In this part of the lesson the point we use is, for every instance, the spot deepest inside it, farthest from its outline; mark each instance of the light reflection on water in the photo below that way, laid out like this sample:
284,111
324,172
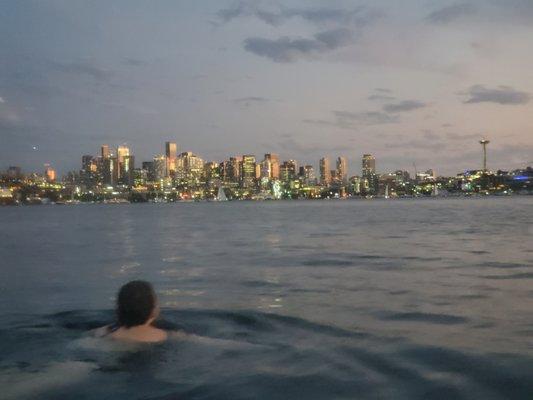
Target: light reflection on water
424,276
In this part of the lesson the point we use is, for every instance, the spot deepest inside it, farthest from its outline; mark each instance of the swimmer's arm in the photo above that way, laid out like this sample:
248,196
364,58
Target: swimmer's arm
101,332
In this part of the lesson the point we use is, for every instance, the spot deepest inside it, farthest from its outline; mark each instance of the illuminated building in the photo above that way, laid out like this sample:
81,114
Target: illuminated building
270,167
342,170
287,171
325,174
14,172
171,153
234,169
148,168
159,167
126,170
248,171
110,173
104,151
369,165
49,174
371,182
308,174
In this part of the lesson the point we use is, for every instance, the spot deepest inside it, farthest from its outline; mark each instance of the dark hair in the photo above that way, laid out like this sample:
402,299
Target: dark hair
135,303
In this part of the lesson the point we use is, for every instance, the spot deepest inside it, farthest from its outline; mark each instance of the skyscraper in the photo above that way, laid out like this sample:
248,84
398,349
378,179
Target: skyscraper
159,167
369,173
248,171
126,170
104,151
49,173
325,174
122,152
287,171
273,159
369,165
171,152
342,170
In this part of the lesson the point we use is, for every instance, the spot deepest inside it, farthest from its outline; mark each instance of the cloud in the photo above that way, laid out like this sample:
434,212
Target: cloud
247,101
2,100
457,136
133,62
352,120
451,13
286,50
381,97
403,106
81,68
358,16
500,95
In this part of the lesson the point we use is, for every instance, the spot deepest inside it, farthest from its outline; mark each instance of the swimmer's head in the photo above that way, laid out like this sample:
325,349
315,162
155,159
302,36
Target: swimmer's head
136,304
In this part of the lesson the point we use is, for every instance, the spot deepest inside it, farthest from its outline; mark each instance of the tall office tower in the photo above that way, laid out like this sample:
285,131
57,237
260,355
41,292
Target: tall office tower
14,172
49,173
110,170
309,175
122,151
273,160
159,167
104,151
87,161
234,169
148,168
369,173
248,171
265,169
325,174
211,171
89,170
171,153
369,165
342,170
189,166
287,171
126,170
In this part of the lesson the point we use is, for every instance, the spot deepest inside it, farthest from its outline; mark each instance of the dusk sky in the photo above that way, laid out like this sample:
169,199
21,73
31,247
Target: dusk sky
414,81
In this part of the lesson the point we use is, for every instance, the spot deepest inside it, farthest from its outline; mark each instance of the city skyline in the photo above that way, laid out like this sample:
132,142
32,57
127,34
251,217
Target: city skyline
326,167
417,83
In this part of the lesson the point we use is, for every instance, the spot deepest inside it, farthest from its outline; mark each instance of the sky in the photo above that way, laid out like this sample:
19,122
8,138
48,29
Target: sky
416,82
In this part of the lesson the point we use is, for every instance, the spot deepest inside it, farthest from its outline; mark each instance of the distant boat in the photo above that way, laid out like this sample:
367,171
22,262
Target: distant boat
221,196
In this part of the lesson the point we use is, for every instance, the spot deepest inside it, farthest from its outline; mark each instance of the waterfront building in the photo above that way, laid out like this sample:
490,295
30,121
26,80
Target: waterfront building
325,173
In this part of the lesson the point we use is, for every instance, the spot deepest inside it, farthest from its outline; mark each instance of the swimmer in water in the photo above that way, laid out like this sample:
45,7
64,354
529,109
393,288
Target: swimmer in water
137,309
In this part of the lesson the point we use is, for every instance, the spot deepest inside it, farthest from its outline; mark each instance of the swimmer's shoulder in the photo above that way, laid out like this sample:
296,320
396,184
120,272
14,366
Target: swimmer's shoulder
103,331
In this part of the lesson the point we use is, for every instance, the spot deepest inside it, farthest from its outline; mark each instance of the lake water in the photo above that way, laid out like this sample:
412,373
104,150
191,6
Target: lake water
400,299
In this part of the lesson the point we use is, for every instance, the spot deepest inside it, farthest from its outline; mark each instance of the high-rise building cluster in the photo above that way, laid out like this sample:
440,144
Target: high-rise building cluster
175,175
116,168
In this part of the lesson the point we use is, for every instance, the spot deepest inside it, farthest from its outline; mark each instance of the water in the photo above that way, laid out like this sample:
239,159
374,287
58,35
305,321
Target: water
402,299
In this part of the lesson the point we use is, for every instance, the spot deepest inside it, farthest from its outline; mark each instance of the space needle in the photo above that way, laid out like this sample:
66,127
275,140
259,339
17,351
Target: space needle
484,143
